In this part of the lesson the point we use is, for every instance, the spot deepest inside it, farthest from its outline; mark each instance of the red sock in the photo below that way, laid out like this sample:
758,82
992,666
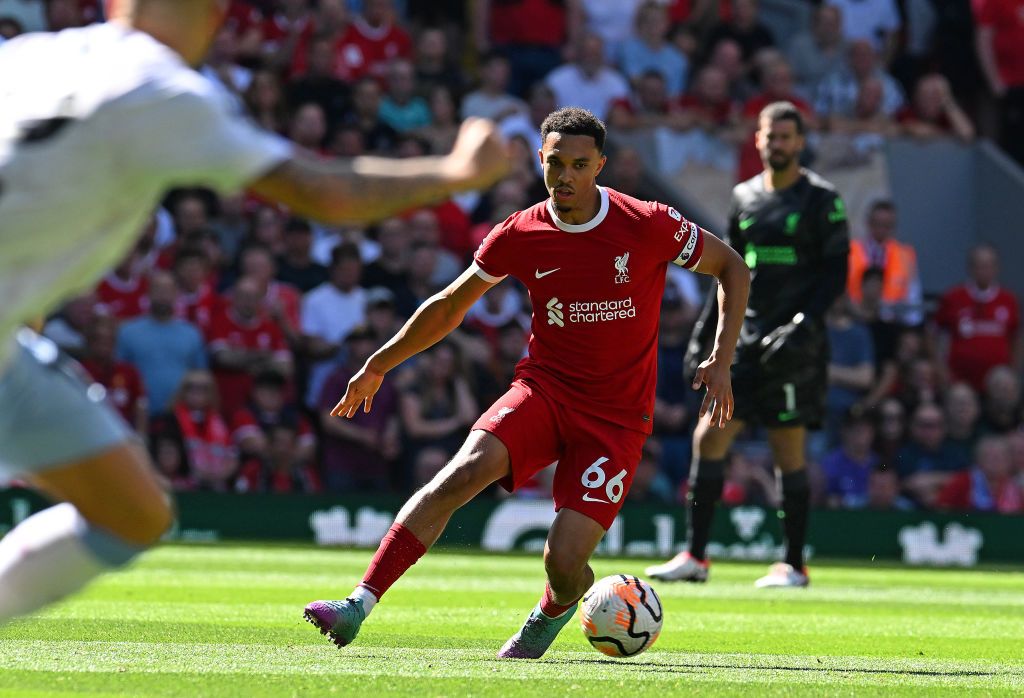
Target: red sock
399,551
548,606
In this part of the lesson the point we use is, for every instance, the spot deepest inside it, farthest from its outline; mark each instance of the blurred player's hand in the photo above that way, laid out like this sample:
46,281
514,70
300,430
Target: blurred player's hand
717,376
783,336
363,386
478,158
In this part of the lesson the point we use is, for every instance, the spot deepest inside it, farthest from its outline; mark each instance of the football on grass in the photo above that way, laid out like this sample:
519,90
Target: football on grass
621,615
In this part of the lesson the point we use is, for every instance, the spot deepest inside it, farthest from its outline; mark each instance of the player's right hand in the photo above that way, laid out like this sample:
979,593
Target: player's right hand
479,157
717,376
363,386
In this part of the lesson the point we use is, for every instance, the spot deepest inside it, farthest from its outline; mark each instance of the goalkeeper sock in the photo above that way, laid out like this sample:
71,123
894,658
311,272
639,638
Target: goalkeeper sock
796,504
706,486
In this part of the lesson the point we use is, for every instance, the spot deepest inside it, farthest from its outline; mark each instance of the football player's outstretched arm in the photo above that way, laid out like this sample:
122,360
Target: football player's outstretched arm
431,323
367,189
722,262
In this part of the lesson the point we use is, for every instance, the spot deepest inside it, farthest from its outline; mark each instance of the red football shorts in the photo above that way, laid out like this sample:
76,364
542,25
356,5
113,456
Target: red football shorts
596,458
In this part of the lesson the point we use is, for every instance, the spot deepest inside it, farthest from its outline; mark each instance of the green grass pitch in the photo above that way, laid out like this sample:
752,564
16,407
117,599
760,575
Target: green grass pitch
226,621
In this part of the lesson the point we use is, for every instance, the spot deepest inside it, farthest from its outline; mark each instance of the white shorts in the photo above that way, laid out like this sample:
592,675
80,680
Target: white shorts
51,413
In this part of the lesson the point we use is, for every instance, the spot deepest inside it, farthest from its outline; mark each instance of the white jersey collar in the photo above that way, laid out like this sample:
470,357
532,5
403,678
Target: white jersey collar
602,213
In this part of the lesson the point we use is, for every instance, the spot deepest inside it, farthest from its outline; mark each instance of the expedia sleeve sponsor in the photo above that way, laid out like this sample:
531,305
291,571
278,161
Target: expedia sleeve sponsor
601,311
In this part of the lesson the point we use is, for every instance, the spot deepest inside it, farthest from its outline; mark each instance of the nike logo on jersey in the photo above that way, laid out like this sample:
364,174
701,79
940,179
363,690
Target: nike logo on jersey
588,498
747,222
541,274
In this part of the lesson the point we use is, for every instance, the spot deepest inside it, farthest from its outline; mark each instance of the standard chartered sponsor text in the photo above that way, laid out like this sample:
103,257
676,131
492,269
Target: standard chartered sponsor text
601,311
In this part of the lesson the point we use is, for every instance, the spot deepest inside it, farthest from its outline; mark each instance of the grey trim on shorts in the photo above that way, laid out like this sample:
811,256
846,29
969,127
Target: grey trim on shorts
51,414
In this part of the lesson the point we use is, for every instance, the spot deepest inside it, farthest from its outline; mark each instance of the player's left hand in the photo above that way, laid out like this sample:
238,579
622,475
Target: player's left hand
717,376
363,386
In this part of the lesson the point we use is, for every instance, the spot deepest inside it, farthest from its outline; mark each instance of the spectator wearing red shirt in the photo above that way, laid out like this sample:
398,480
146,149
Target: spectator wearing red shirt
980,322
647,106
987,486
203,434
708,105
933,113
243,340
245,23
371,42
281,301
122,380
198,302
124,291
530,33
268,408
778,87
284,29
283,471
999,40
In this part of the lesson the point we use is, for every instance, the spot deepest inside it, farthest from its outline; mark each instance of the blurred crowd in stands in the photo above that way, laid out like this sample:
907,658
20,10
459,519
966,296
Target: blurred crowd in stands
231,330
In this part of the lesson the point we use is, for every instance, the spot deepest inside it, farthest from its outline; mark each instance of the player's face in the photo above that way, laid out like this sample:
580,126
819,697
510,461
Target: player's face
571,165
779,143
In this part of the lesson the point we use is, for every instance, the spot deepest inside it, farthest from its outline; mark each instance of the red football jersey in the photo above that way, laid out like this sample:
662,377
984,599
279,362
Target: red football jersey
982,326
364,50
124,299
227,331
123,384
596,290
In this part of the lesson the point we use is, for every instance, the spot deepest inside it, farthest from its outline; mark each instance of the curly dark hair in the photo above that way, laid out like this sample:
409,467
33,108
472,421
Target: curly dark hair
574,121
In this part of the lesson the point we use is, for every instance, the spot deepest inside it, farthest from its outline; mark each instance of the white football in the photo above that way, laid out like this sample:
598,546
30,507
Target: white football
621,615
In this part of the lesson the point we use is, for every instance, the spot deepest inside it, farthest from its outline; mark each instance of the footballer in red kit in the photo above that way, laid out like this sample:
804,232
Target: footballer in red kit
594,262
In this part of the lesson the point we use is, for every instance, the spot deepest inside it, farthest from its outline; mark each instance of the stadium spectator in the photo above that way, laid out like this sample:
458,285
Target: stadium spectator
280,301
962,417
890,430
65,14
308,127
402,109
436,408
191,212
650,485
364,117
198,300
647,106
872,312
493,377
390,269
283,471
243,341
371,42
434,64
933,113
381,315
196,422
296,266
989,485
318,84
674,399
928,461
267,229
359,453
999,39
444,120
1001,404
287,25
868,116
122,292
837,92
851,368
708,106
874,21
231,225
66,328
744,28
625,174
588,82
529,33
884,491
169,459
649,50
902,297
162,347
748,482
269,407
121,380
979,322
492,99
265,101
727,56
329,312
848,468
425,229
612,20
816,53
895,376
777,87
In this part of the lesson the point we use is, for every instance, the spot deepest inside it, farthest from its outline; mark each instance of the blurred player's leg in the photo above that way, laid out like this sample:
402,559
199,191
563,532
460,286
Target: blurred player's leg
788,449
707,479
114,509
482,460
571,541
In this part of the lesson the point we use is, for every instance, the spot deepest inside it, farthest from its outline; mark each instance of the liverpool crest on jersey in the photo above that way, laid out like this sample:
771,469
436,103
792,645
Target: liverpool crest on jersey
622,269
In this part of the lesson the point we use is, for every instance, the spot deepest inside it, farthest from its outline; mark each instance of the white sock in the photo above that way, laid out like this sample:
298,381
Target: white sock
366,596
52,554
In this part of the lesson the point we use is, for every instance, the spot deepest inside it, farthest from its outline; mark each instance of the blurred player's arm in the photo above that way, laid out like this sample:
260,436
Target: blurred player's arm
371,188
431,323
725,264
